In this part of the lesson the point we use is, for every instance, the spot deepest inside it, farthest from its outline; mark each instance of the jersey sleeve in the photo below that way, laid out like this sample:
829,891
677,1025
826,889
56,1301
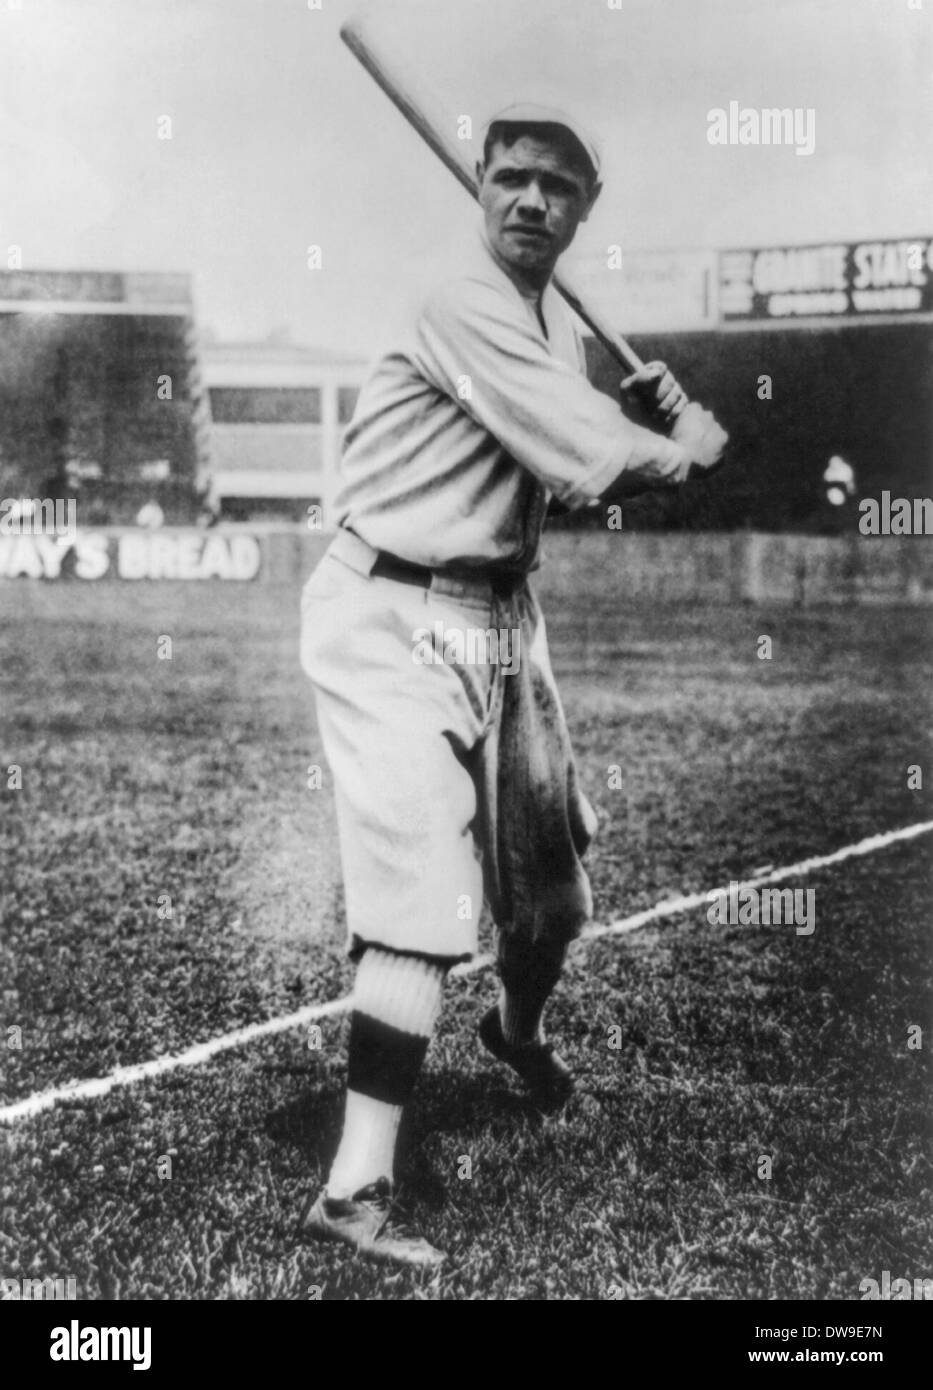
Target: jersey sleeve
474,343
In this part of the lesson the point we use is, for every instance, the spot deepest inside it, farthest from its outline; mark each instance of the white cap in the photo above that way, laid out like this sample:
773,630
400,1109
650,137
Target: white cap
531,113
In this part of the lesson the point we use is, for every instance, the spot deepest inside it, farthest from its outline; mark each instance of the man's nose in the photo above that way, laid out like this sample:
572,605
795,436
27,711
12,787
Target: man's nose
532,200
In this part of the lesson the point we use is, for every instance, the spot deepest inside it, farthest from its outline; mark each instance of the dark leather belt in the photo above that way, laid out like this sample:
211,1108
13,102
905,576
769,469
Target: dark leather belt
388,566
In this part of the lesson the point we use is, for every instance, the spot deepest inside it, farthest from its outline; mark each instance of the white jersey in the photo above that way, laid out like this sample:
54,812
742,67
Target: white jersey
476,414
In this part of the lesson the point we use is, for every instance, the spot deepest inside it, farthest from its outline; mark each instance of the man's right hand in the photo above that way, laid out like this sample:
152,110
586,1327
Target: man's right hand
697,431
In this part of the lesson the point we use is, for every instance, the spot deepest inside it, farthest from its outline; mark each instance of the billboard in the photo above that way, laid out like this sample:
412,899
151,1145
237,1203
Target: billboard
834,279
131,555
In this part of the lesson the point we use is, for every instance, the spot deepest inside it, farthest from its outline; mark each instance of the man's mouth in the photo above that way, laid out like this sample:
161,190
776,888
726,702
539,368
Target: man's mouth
536,233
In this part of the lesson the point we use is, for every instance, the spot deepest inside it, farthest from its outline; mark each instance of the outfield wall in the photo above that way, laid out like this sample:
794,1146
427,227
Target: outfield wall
717,566
750,565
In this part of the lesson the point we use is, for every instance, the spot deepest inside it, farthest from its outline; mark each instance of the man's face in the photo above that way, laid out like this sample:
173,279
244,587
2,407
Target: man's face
534,196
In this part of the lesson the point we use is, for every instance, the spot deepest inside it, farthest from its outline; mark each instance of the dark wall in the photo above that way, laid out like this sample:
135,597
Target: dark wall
865,393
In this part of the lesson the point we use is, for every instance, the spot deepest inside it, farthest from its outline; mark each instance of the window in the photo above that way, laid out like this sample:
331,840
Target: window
346,403
266,405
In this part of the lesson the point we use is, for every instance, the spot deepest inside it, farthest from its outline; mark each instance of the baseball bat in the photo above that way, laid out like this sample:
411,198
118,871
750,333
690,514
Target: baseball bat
422,112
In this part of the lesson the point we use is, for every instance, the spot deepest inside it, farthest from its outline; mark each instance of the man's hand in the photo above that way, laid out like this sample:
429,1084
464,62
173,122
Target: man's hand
697,431
657,391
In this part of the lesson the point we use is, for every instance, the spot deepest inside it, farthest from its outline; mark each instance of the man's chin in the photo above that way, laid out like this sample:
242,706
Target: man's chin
527,253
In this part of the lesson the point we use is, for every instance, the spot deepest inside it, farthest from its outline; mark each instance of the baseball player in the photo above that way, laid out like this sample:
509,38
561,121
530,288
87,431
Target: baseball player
452,769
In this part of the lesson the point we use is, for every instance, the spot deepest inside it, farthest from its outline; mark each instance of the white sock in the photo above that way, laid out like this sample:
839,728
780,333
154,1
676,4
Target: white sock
396,1002
402,991
367,1145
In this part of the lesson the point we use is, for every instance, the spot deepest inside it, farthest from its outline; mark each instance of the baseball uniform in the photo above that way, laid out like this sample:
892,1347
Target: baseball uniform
454,778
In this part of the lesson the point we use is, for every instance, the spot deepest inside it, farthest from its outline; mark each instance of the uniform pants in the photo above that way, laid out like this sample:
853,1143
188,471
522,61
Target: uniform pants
453,775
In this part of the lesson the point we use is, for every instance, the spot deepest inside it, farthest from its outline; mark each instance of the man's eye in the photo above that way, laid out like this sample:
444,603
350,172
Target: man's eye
511,179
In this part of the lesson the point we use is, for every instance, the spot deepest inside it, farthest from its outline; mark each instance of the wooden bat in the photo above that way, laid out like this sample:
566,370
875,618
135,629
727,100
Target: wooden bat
416,104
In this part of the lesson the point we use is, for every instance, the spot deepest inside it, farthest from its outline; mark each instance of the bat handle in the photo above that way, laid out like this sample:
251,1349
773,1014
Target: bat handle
644,390
605,332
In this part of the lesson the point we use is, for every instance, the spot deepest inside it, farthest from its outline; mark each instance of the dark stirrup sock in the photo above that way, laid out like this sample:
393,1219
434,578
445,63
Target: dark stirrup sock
529,974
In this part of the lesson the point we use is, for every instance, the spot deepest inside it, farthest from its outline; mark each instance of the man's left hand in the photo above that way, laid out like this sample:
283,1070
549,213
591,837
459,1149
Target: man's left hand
657,391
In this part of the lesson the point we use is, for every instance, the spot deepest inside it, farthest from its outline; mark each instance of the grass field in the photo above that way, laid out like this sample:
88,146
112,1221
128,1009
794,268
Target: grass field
145,777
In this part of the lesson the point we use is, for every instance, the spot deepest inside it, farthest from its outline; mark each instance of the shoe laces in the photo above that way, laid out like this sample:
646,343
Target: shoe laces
396,1221
377,1195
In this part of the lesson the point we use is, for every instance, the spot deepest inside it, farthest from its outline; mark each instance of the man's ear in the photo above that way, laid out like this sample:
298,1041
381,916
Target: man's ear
594,194
480,172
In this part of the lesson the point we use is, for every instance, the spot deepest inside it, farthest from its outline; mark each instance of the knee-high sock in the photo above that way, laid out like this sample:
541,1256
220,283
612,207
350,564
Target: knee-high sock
396,1002
529,974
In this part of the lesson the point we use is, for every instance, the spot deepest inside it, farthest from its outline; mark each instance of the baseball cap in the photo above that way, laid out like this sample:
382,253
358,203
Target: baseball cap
532,113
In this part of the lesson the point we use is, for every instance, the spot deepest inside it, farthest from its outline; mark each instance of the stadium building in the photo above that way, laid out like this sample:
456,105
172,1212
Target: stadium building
278,412
107,396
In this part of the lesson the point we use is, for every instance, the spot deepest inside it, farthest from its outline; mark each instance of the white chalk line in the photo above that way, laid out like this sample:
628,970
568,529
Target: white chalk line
202,1052
670,906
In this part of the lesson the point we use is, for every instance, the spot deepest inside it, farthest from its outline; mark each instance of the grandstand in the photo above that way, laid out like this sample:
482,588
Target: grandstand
100,393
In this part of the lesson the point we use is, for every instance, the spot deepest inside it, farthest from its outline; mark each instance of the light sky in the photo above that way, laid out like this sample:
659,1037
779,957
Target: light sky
281,140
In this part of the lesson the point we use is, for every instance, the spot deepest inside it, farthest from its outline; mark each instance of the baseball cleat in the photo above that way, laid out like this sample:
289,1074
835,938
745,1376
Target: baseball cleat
365,1222
548,1079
